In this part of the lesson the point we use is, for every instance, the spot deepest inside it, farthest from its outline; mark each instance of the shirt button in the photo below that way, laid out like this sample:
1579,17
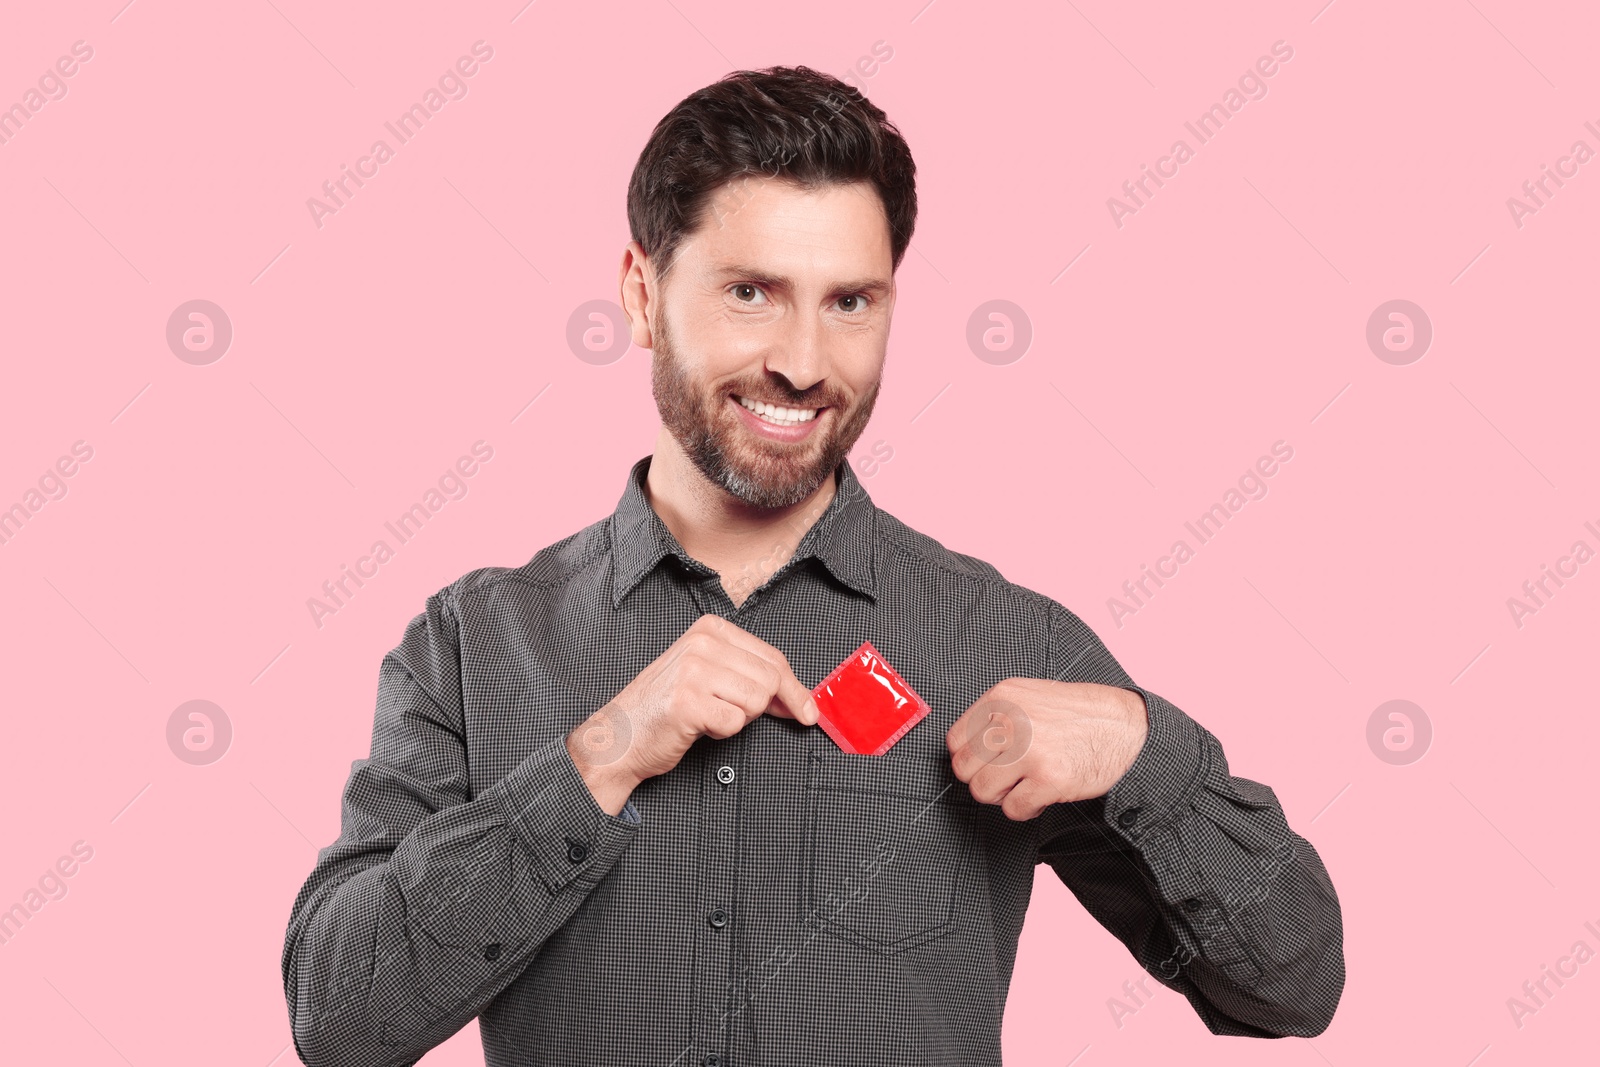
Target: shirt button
577,851
491,952
718,918
711,1059
1128,817
1192,904
724,774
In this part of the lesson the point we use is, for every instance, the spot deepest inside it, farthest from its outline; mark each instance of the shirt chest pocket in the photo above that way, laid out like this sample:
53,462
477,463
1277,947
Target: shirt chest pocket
889,841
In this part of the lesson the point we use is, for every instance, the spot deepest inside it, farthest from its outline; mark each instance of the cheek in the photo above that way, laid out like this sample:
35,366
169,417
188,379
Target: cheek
863,370
721,341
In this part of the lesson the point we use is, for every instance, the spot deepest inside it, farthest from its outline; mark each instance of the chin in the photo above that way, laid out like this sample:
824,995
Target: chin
765,489
764,479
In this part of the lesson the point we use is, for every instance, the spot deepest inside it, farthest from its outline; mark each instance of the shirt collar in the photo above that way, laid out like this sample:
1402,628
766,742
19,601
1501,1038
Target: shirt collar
841,538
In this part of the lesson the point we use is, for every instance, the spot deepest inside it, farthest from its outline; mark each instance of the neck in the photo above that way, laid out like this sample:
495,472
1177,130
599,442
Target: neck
744,544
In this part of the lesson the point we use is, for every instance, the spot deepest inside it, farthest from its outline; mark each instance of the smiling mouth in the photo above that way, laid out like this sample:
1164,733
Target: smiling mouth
777,414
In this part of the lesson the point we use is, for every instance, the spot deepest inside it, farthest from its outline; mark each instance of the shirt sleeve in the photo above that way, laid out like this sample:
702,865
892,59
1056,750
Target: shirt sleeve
1197,871
432,901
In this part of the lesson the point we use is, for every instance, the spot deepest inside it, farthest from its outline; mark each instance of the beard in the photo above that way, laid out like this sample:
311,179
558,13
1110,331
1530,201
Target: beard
760,472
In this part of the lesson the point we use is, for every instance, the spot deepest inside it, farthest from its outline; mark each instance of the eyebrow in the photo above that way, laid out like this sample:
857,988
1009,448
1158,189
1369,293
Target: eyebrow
872,286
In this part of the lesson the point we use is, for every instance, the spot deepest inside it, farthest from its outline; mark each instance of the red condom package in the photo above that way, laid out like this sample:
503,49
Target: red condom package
865,705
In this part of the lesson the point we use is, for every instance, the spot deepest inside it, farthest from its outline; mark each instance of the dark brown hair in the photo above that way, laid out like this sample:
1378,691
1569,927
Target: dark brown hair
791,123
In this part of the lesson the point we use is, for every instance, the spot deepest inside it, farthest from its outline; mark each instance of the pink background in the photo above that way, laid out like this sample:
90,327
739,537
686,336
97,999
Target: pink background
1228,313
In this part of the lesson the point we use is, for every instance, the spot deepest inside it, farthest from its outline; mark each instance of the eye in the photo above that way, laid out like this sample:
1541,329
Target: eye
739,294
853,303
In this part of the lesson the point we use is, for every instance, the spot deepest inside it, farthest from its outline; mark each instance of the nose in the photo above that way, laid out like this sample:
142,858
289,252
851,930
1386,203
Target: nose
800,352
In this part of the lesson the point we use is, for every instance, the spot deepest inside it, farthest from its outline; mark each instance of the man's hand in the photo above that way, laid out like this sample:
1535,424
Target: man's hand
712,681
1028,743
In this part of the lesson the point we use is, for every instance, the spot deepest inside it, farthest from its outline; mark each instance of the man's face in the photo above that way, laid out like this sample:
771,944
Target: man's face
779,297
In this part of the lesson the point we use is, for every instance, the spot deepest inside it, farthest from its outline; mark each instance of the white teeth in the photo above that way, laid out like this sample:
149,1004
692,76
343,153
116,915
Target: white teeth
776,415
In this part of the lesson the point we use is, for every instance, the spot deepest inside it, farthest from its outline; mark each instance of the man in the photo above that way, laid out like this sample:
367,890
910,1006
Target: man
599,812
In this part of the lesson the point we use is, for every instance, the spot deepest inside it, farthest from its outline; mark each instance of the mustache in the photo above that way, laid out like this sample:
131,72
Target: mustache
786,398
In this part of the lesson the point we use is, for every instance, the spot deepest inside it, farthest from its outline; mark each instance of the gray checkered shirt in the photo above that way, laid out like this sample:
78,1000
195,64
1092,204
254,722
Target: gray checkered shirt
772,900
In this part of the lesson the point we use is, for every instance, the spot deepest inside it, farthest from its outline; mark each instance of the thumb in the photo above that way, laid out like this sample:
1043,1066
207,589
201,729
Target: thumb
796,700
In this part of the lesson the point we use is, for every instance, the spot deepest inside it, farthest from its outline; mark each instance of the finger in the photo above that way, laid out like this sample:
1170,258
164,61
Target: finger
969,758
992,782
961,729
965,762
797,701
970,721
968,753
993,730
1025,800
723,719
762,674
742,679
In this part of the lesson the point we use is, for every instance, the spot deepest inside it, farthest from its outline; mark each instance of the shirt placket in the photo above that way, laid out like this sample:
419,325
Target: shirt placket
720,770
717,767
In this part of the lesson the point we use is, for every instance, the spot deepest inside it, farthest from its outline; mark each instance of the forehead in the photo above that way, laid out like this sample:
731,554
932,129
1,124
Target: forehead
776,224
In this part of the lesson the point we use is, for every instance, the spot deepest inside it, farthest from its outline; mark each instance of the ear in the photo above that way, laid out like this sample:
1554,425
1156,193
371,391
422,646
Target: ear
637,281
